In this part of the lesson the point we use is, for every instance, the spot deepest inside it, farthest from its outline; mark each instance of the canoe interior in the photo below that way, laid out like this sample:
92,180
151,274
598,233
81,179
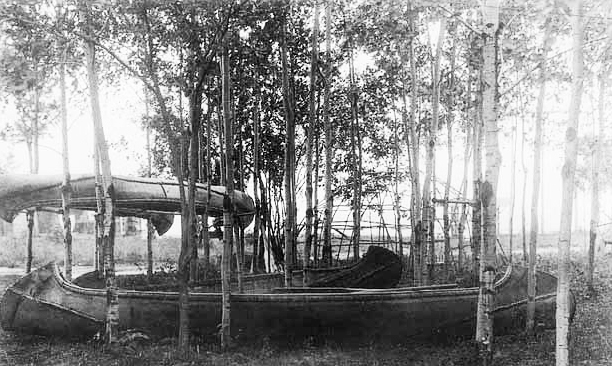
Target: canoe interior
379,268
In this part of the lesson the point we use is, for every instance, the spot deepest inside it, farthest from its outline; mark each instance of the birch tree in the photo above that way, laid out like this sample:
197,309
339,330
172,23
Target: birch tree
596,167
597,153
486,295
329,148
512,191
428,184
476,241
224,333
310,129
355,159
66,187
449,143
289,158
258,245
416,204
108,214
567,175
150,228
537,152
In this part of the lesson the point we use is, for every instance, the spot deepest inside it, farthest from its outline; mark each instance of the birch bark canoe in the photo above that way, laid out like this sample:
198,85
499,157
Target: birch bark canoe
44,303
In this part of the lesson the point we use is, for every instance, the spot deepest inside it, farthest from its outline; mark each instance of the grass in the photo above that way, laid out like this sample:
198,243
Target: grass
590,341
46,248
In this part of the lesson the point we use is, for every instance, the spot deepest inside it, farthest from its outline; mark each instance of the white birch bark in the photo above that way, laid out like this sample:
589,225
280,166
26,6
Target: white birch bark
567,198
486,296
428,184
108,226
66,188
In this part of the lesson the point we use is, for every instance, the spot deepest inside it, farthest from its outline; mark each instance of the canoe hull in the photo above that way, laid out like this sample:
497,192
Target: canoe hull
391,315
133,196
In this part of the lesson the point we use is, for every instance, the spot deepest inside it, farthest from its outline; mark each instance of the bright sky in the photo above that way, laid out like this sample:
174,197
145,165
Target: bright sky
122,109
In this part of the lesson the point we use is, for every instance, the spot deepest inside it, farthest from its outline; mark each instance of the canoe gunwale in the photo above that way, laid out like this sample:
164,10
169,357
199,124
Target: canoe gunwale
388,294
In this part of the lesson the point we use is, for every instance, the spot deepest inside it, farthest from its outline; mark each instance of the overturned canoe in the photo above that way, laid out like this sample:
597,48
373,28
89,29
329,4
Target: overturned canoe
43,302
139,197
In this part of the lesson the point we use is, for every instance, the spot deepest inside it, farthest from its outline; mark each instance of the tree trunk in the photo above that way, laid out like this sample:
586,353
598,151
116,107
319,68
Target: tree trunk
512,192
355,160
188,216
222,157
329,148
477,176
449,170
98,217
30,223
524,195
597,147
180,167
464,183
463,218
108,221
396,200
237,243
415,210
265,220
205,238
66,187
33,155
429,184
150,229
486,295
289,157
35,132
227,203
256,231
542,211
568,173
310,129
183,265
537,173
195,106
315,190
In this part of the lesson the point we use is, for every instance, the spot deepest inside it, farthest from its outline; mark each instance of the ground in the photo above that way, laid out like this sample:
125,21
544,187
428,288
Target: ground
591,343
